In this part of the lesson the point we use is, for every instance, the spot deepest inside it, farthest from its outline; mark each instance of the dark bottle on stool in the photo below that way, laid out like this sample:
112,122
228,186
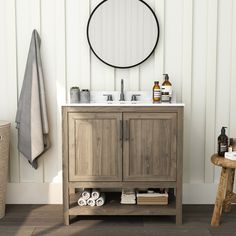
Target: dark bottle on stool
222,142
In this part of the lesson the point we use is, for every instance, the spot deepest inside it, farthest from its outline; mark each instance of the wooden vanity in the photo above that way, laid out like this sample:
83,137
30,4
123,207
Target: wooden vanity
119,147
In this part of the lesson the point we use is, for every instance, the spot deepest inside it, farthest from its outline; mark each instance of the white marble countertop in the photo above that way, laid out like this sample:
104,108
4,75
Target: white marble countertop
126,104
144,100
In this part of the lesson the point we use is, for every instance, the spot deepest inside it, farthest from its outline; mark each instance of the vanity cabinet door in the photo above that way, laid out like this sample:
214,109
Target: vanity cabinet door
95,146
150,149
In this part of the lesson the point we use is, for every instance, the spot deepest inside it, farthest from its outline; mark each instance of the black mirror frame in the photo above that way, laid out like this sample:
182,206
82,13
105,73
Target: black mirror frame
124,67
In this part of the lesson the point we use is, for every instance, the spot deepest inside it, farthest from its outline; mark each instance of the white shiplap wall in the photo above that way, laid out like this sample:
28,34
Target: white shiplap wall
197,47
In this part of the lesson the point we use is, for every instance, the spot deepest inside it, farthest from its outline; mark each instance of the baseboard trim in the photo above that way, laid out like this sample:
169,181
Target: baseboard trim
34,193
199,193
51,193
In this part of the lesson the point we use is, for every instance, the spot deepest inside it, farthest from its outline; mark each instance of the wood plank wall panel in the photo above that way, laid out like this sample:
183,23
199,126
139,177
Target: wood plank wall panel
197,129
196,47
134,74
187,82
223,68
8,78
210,144
52,52
233,76
159,66
134,83
122,74
134,77
146,69
174,43
28,16
61,85
77,48
102,75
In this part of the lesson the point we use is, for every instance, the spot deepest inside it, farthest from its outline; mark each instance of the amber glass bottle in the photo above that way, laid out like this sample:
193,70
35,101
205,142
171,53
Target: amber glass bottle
156,92
166,89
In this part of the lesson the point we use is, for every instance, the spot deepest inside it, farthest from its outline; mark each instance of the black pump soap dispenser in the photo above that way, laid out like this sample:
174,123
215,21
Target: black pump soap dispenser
222,142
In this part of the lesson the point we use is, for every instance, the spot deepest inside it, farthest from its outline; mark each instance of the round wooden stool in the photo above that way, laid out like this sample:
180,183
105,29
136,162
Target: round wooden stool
225,195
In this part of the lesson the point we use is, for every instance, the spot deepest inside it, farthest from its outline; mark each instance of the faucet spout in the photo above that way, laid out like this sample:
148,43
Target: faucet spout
122,95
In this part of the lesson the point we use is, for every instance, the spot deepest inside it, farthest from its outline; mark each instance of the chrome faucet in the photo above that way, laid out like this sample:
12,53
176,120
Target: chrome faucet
122,95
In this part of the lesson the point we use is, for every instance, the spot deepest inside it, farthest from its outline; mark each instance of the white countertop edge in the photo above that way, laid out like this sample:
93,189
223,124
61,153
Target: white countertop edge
123,105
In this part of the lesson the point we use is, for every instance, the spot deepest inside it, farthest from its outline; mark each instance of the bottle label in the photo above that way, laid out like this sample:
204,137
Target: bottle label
157,93
165,97
223,147
167,89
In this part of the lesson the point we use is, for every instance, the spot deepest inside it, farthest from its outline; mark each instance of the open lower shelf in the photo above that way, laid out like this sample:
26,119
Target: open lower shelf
113,207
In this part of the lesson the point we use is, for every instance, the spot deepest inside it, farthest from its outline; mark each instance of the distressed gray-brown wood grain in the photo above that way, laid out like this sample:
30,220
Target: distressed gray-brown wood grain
65,166
117,147
179,182
150,150
94,147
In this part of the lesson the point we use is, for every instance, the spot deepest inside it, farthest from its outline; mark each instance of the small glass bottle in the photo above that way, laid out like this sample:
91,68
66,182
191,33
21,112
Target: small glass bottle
222,142
156,92
166,89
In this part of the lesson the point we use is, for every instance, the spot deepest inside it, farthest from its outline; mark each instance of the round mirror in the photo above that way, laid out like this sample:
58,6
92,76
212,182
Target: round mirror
123,33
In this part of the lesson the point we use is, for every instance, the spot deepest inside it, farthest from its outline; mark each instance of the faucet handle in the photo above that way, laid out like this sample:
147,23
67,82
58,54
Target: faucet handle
134,97
109,97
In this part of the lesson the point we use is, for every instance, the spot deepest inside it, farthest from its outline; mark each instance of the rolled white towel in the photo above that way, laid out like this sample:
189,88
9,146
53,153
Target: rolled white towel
101,200
91,202
82,202
86,193
95,194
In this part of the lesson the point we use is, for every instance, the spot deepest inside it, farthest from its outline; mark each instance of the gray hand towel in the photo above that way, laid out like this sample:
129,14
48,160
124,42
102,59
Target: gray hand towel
31,117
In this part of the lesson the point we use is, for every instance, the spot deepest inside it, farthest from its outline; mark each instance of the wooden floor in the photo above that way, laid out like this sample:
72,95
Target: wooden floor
25,220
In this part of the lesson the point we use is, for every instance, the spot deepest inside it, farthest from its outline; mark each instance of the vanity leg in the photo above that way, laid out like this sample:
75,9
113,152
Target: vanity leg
66,203
179,204
66,219
178,218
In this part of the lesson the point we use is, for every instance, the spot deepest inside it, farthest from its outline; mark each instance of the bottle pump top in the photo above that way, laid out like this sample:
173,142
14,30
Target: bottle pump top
223,130
166,76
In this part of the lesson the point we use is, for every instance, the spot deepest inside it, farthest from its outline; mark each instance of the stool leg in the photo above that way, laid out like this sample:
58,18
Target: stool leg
220,197
229,191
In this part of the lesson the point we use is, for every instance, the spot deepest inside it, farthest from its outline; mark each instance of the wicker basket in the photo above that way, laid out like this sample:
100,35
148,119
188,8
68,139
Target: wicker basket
4,158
